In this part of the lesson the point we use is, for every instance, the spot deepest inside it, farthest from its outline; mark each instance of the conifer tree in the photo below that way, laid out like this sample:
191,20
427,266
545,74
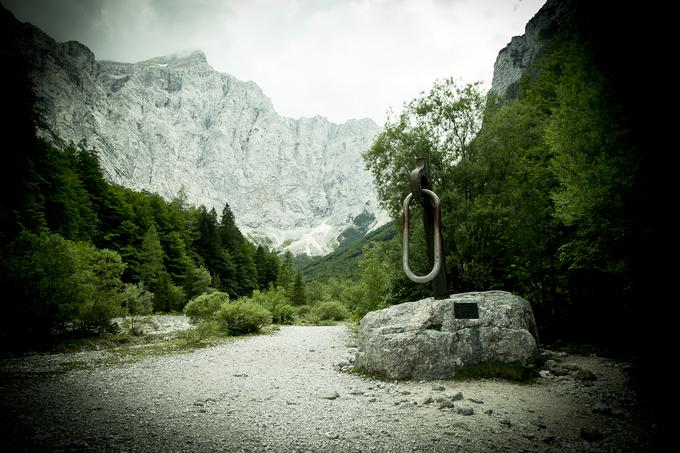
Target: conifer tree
297,292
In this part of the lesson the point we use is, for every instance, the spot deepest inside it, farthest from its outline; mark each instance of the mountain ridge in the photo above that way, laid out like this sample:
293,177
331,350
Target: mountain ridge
172,122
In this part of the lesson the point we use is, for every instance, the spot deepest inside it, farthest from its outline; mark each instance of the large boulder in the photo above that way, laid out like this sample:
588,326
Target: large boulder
431,339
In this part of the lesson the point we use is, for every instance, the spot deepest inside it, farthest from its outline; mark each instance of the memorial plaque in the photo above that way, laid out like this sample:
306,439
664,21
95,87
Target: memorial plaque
466,310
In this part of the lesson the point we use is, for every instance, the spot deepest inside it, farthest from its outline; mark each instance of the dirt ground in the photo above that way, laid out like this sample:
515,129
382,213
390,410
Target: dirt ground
286,392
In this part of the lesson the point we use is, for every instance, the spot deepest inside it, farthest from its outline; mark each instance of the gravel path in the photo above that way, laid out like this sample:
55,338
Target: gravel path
283,392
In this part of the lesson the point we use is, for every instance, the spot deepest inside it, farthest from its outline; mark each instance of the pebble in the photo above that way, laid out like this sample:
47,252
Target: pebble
445,403
505,421
464,410
329,394
455,396
438,387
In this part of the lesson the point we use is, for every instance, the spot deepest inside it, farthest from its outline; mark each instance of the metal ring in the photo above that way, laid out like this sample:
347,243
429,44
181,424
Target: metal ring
437,240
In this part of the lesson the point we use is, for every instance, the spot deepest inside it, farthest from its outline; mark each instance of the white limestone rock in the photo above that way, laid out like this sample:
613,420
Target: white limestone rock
424,339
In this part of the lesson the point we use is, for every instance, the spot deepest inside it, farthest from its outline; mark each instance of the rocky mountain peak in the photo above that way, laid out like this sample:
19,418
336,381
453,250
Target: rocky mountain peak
173,123
520,53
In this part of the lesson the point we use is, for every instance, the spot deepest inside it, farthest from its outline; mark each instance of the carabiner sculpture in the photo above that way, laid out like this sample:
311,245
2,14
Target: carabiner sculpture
437,240
421,190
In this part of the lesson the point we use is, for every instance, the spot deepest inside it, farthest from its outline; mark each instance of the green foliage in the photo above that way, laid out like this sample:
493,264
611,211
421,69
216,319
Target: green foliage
205,306
56,284
197,281
208,328
136,301
276,302
331,311
241,317
297,291
439,125
151,258
343,263
540,199
98,286
286,271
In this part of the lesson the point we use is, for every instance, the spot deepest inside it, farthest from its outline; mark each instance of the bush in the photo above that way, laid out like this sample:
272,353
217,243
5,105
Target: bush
306,314
205,306
276,302
136,301
332,311
202,331
242,317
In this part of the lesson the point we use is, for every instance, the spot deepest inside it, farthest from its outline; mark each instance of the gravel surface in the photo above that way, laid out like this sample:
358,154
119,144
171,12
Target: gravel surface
285,392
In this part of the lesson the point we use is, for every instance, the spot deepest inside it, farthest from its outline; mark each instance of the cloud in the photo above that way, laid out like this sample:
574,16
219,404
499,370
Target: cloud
337,58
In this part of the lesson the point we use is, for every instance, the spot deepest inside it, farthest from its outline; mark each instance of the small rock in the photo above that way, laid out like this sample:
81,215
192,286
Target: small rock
455,396
424,401
538,422
405,392
591,434
561,354
547,354
356,392
331,435
544,373
472,400
241,375
489,412
464,410
329,395
372,400
444,403
505,421
584,375
438,387
571,366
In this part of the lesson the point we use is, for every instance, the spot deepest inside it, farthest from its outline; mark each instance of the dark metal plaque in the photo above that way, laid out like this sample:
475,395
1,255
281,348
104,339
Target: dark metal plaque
466,310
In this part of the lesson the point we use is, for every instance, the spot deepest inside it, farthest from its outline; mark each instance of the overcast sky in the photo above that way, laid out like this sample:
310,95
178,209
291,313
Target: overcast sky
337,58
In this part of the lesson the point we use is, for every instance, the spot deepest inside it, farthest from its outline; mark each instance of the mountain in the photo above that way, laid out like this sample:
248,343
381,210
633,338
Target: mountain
521,52
173,123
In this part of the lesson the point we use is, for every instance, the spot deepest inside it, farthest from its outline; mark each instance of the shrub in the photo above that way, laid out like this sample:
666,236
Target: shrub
203,330
306,314
136,301
242,317
205,306
283,314
332,311
276,302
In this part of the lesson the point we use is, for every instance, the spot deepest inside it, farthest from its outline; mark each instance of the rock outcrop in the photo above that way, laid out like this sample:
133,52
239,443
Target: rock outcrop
431,339
520,53
174,122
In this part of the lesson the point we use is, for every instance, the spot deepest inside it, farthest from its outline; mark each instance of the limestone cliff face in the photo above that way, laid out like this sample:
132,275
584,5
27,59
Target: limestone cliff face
521,52
174,122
